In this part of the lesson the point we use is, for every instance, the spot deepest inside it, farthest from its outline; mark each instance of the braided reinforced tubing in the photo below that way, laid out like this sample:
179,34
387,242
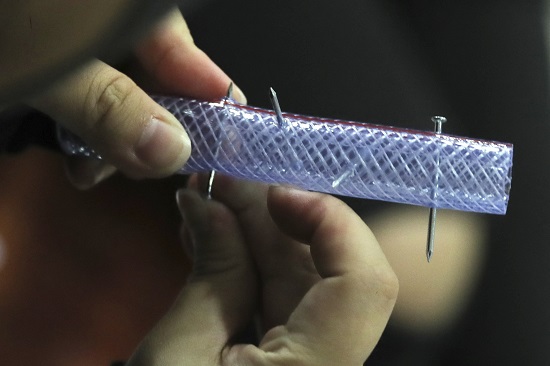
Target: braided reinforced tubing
339,157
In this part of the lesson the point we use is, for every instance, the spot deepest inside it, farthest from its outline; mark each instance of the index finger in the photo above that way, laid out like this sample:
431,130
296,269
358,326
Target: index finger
340,320
178,65
340,241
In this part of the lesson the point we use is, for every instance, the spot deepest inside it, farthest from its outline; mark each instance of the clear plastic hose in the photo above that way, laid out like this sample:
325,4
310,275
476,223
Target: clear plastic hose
344,158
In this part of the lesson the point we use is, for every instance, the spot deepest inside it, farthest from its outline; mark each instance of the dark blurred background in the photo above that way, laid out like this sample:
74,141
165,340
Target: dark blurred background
83,276
483,64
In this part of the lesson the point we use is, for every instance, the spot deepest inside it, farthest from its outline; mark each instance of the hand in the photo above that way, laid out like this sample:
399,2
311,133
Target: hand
305,262
120,121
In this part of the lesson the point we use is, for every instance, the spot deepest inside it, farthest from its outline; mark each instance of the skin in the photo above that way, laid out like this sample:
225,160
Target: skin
117,118
328,304
340,286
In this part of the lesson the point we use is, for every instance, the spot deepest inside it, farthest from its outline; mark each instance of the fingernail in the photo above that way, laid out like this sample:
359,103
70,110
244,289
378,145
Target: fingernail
188,202
238,95
163,146
180,193
290,190
86,173
103,172
187,241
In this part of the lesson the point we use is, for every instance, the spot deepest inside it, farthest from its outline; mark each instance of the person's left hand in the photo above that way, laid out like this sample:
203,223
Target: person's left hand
304,262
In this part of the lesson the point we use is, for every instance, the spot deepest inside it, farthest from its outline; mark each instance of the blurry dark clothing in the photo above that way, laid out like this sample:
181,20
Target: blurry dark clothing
21,127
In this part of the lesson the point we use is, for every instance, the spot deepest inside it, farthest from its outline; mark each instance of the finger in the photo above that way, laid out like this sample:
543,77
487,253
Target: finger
218,300
285,265
341,318
249,202
218,245
337,235
85,173
119,120
171,56
359,288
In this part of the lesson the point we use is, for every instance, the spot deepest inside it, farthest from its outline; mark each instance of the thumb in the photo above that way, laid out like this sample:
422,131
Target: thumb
219,299
119,120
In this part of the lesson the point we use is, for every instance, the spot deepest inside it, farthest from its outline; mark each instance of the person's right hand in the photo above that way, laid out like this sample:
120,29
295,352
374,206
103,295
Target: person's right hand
304,262
120,121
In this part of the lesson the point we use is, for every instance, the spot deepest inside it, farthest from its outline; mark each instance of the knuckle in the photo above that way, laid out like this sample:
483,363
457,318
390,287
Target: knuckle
215,267
385,282
106,99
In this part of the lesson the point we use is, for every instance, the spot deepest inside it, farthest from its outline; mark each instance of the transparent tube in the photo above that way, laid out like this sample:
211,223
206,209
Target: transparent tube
344,158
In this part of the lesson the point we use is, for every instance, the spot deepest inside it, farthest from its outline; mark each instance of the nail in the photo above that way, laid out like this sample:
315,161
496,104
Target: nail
182,200
189,204
163,146
187,241
103,172
289,190
238,95
85,173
